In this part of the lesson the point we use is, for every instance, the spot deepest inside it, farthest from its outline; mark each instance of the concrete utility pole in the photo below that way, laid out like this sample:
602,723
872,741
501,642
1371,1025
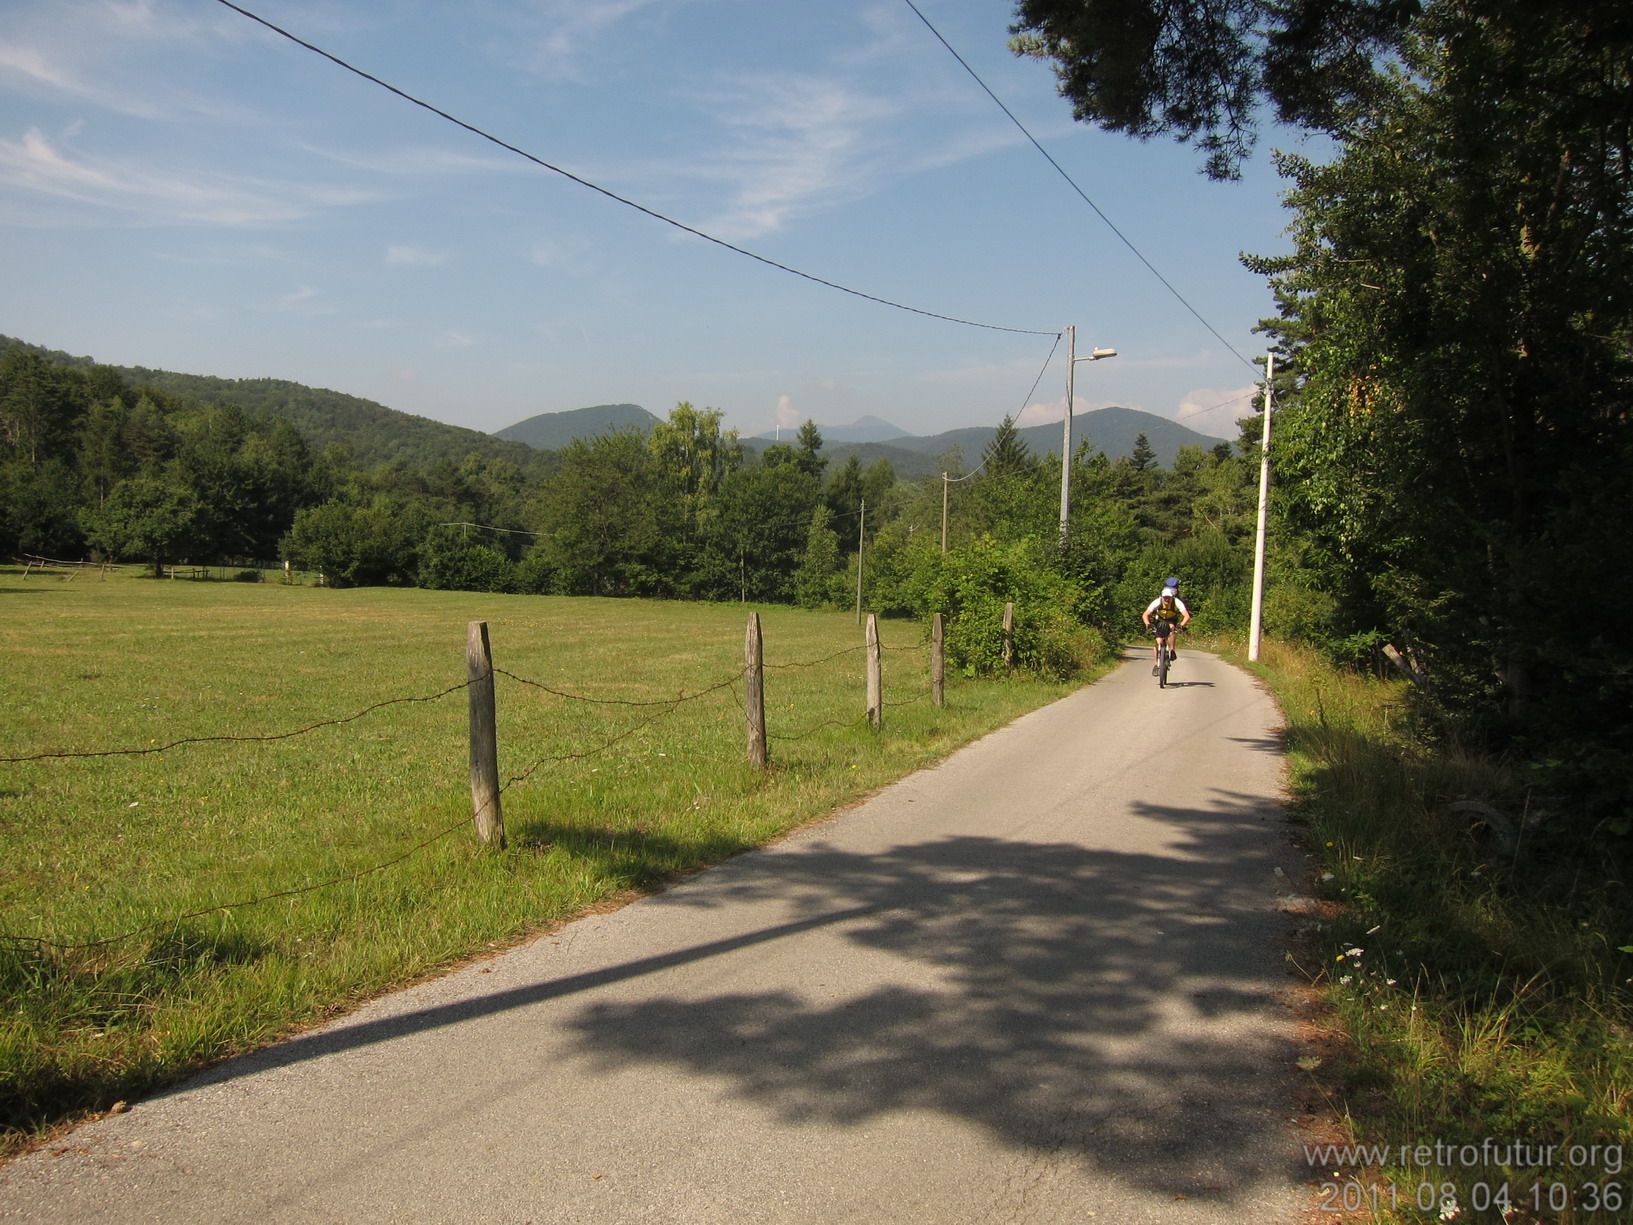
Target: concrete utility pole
1257,619
1066,426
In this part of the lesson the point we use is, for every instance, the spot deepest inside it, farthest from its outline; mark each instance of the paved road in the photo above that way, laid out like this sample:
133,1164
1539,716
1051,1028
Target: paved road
1036,983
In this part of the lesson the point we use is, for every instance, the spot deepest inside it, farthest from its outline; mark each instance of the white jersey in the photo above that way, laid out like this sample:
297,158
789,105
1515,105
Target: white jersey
1179,607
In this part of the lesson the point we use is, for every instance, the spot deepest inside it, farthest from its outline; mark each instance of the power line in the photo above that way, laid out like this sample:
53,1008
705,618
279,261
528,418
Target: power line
611,195
1073,184
953,480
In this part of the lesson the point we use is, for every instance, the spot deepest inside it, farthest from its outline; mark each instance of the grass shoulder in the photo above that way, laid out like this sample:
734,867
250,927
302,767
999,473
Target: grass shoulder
1473,1021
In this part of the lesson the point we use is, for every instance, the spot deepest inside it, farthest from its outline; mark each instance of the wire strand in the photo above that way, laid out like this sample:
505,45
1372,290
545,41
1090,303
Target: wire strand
239,739
1123,238
612,195
953,480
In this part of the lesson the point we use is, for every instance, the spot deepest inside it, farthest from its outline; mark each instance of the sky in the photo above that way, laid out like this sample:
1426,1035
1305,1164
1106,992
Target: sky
182,189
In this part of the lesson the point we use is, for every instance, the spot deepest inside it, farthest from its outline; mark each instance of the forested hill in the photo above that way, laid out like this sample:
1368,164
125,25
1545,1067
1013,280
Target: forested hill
1114,431
553,431
372,432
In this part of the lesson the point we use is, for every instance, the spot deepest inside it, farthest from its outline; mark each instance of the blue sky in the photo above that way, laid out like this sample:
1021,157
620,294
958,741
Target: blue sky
180,188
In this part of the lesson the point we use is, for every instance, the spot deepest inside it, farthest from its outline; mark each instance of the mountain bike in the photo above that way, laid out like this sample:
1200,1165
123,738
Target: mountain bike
1165,656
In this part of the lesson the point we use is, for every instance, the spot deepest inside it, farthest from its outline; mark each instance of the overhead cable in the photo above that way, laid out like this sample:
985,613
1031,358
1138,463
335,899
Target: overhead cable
1073,184
953,480
612,195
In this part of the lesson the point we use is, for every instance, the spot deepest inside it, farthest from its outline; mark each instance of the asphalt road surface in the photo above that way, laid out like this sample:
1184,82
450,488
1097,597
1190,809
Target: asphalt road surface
1036,983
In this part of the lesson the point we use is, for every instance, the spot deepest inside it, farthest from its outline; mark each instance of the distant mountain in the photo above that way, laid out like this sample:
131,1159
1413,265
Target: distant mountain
553,431
1112,430
863,429
373,433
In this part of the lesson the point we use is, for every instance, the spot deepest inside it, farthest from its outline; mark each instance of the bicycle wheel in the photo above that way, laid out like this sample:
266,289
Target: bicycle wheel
1162,664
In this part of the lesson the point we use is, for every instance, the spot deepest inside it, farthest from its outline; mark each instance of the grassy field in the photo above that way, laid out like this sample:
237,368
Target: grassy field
601,797
1474,987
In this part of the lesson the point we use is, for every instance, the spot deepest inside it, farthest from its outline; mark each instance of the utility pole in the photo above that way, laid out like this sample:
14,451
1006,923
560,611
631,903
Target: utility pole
861,528
1256,621
944,487
1066,426
1066,435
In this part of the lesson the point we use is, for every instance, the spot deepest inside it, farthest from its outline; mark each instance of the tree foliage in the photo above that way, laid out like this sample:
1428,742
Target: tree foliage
1199,70
1458,311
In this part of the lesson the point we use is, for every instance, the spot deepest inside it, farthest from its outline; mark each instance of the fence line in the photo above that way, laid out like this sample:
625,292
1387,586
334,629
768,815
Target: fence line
240,739
669,705
575,697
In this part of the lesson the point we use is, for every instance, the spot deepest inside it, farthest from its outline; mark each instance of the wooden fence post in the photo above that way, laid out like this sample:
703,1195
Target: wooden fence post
1009,634
875,674
938,662
754,691
490,819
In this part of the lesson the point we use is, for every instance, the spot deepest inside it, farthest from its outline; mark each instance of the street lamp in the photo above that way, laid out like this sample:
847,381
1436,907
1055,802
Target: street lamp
1066,439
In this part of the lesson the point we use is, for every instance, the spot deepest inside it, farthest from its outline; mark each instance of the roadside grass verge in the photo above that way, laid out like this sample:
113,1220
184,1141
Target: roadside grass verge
1477,984
602,798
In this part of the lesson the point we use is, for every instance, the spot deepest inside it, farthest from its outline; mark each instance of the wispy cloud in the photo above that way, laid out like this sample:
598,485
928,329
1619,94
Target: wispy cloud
82,50
423,161
793,143
304,301
157,194
414,257
571,26
1215,411
1042,414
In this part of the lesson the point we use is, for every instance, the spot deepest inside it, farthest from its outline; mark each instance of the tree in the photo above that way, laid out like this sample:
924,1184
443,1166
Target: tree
1199,69
845,491
816,582
1007,453
810,448
1458,310
606,517
354,545
149,520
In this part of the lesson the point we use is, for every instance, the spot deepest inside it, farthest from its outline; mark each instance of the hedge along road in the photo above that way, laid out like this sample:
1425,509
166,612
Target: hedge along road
1037,982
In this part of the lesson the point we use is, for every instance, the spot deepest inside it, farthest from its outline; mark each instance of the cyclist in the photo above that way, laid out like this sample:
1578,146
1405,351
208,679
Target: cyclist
1163,616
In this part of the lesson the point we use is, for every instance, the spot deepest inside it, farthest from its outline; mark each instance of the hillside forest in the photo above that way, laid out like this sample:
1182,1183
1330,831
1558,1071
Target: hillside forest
91,465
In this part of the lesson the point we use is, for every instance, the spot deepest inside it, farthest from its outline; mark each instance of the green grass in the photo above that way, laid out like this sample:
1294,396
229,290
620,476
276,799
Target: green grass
1491,996
605,798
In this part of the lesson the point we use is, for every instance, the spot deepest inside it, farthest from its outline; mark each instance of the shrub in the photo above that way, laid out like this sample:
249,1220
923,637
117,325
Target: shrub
971,584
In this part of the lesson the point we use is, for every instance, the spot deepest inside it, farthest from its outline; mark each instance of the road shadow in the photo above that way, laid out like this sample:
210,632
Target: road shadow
1112,1009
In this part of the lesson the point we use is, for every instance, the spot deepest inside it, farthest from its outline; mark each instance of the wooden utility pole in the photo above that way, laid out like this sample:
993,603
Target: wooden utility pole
861,526
490,818
876,702
938,661
754,692
945,484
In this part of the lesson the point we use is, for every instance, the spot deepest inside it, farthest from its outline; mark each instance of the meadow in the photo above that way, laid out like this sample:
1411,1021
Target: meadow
244,807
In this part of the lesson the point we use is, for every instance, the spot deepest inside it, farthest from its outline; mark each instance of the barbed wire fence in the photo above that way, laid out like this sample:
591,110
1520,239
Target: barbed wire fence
487,810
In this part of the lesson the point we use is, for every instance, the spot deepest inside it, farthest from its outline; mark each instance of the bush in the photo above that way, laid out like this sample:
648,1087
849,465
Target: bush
971,584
